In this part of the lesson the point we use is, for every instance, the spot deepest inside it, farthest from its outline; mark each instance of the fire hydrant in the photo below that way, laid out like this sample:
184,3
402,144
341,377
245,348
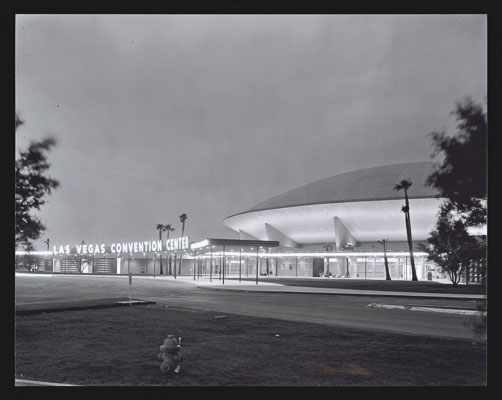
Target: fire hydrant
170,355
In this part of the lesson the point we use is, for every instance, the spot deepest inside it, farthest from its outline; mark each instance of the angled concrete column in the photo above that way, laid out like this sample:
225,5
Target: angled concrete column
244,235
342,234
275,234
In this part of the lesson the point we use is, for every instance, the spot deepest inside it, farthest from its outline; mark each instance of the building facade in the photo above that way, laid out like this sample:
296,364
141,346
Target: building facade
333,227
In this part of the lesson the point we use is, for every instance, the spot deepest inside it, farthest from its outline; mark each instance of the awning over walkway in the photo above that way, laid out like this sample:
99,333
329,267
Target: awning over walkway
266,244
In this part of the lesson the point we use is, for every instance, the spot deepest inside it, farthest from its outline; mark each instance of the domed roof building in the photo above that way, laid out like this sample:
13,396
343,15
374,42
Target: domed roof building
352,209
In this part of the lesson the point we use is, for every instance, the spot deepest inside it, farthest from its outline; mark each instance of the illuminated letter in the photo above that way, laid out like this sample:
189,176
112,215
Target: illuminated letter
130,246
103,248
67,249
141,247
112,248
91,248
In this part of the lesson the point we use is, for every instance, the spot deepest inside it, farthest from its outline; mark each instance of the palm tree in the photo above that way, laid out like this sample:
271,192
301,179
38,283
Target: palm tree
327,248
387,274
183,218
405,185
161,227
169,228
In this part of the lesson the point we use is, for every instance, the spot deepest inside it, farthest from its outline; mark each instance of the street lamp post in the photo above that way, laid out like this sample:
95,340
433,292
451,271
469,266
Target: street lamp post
194,257
240,263
257,265
223,264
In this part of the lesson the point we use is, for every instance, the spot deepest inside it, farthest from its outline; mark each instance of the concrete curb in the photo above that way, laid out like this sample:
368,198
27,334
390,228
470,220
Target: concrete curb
428,309
77,306
27,382
347,292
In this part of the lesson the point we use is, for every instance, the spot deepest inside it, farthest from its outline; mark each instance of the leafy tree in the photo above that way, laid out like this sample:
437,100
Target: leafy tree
32,187
451,247
461,177
405,185
27,261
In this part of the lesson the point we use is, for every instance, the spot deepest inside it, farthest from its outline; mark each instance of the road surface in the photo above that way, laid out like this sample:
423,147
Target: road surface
340,310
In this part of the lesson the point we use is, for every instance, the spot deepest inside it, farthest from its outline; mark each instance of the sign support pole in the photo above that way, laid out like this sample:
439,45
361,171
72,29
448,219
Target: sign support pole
130,289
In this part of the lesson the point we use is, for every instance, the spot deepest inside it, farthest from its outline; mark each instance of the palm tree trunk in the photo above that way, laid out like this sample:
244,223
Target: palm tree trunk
387,273
410,247
160,237
410,239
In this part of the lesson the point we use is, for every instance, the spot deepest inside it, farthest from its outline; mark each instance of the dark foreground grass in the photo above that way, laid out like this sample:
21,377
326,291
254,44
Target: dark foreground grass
362,284
118,346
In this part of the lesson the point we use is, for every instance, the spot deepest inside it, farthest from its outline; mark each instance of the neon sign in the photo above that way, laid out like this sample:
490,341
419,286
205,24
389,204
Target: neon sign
172,244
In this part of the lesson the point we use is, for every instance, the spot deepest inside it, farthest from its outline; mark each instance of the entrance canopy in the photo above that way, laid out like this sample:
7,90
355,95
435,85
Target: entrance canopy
266,244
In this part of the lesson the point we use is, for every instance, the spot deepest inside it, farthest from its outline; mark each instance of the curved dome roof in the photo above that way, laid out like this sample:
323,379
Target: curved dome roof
361,185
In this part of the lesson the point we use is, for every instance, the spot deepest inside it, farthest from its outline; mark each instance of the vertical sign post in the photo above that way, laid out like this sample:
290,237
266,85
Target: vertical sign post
240,263
130,289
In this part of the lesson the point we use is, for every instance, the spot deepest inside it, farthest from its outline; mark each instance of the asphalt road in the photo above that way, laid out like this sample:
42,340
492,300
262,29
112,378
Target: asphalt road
339,310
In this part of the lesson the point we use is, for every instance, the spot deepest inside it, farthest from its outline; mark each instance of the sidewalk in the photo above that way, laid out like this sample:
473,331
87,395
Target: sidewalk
270,287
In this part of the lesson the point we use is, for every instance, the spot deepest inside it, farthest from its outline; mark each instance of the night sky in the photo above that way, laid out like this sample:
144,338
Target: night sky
158,115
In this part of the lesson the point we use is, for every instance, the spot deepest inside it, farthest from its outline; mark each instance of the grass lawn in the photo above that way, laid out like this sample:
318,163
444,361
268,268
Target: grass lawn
118,346
398,286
